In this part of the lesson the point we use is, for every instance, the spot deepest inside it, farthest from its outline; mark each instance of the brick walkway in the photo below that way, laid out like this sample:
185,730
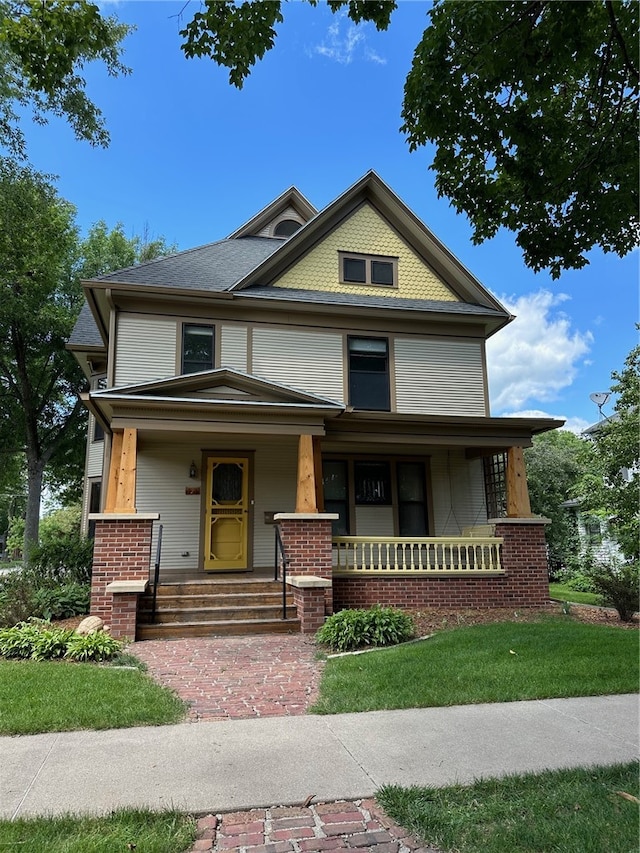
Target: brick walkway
223,678
359,825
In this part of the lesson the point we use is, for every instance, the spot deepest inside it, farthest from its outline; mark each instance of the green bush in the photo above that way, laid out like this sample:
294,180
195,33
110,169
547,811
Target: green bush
39,640
61,602
581,582
619,585
16,598
96,647
65,559
352,629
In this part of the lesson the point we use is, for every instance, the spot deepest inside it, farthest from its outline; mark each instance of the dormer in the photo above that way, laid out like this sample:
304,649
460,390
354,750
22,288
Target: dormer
280,219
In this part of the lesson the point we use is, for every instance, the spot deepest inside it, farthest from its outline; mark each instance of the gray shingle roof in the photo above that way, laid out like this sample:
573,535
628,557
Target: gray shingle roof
85,332
215,267
319,297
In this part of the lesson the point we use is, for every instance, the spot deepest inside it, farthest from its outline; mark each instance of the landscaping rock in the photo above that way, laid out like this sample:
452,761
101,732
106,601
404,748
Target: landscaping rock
90,625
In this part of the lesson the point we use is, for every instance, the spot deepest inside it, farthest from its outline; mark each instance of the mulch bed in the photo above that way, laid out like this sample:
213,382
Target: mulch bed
430,620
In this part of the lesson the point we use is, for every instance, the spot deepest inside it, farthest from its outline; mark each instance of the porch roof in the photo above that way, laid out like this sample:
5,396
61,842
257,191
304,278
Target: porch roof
479,435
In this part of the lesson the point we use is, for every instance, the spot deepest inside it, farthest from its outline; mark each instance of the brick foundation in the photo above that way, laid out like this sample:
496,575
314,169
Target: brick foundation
122,552
524,584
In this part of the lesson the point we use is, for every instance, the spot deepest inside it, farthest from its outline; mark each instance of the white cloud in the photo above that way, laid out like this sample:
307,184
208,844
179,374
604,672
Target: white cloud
576,425
535,356
342,41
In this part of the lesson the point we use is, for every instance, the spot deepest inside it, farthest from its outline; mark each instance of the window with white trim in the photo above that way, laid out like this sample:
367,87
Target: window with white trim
197,348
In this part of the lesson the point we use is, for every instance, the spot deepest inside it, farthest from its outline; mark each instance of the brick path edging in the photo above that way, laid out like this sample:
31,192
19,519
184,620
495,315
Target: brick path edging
343,825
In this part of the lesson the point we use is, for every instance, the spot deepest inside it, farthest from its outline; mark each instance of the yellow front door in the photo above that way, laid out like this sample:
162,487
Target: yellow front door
226,514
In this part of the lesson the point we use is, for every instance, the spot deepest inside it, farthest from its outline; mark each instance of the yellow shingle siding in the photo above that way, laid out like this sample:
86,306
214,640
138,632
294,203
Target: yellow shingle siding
366,232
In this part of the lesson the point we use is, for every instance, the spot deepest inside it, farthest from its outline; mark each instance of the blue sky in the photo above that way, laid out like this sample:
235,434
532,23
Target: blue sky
193,158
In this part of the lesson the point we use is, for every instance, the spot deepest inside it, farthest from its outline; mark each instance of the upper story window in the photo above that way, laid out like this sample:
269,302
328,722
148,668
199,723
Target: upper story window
368,269
286,227
197,348
369,374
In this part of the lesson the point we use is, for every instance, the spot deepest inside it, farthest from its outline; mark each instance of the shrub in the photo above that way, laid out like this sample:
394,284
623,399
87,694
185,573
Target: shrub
95,647
65,559
39,640
61,602
352,629
34,639
16,598
619,585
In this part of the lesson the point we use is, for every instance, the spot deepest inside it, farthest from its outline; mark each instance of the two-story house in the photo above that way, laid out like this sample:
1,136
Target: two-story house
322,373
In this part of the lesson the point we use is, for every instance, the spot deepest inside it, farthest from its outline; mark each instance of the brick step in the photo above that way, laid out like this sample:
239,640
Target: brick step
217,629
211,599
216,614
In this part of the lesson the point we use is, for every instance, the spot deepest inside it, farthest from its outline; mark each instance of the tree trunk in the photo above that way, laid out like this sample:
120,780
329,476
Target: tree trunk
35,468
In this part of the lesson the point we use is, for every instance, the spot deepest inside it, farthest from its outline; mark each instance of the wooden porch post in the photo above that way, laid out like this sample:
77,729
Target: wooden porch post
121,485
518,505
306,491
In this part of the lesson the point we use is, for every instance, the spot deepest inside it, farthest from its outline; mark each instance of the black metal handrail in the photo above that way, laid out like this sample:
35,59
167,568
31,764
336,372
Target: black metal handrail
156,575
281,559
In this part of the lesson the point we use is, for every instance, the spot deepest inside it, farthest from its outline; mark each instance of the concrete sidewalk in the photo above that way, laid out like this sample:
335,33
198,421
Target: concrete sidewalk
239,764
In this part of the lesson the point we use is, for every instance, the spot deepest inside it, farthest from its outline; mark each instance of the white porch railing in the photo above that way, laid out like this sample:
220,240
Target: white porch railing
427,555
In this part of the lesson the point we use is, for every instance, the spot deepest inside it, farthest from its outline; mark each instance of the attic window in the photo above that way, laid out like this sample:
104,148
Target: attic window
368,269
286,228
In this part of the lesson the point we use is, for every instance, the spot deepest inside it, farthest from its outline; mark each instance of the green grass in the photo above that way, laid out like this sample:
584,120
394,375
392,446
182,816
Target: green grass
55,696
561,592
501,662
572,811
150,832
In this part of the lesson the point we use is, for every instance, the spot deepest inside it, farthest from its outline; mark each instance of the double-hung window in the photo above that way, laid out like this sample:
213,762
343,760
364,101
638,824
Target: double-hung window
368,269
197,348
369,374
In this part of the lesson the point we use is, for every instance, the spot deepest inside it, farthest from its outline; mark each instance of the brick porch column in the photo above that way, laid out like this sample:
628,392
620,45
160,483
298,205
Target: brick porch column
121,561
307,543
524,559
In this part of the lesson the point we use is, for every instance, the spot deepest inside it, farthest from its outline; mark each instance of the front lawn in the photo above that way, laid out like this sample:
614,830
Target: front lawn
562,592
501,662
56,696
126,829
573,811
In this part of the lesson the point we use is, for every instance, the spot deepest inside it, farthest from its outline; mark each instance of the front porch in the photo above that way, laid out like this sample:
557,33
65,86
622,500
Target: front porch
497,563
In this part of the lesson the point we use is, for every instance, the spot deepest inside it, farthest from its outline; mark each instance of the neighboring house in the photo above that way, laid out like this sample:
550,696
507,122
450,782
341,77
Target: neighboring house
322,372
593,531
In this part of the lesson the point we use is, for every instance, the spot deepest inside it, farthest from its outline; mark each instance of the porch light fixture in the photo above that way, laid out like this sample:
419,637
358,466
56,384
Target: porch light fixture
193,471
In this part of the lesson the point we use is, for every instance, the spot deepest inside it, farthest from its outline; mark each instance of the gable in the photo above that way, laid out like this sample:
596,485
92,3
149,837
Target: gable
367,232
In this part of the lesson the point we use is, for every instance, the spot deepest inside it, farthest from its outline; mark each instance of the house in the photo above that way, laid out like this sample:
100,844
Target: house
319,374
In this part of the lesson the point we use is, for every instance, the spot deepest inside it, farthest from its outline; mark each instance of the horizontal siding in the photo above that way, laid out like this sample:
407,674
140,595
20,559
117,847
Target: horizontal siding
458,493
145,349
374,521
439,377
95,454
163,475
233,347
310,361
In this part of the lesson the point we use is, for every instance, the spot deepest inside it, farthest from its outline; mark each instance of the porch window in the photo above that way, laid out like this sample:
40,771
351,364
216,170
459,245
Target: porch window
400,484
336,494
197,348
94,505
369,374
412,499
373,483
